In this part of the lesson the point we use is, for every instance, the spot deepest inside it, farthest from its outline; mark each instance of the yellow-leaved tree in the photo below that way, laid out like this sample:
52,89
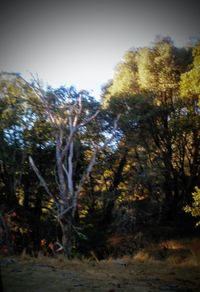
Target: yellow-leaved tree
194,209
190,89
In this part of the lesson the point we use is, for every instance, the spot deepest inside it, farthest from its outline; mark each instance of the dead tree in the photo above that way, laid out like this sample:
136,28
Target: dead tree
66,121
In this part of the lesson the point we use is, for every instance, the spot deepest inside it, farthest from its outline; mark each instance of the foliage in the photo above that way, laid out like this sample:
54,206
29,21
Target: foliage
159,127
143,178
194,209
190,81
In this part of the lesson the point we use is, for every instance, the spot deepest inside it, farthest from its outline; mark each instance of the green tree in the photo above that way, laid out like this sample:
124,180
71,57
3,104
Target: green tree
125,81
190,81
12,115
23,133
157,68
194,209
190,92
149,123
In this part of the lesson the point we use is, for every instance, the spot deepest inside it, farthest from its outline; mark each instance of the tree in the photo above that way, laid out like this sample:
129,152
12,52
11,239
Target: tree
190,92
149,121
63,110
157,68
23,132
194,209
15,117
125,81
190,80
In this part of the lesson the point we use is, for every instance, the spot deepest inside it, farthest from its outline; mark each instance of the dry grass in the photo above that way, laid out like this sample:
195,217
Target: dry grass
182,252
142,256
185,245
148,270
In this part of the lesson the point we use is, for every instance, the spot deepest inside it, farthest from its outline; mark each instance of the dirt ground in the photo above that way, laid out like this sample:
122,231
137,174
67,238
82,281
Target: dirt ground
139,274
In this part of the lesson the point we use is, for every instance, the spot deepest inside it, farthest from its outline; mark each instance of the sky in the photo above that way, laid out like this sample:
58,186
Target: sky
79,43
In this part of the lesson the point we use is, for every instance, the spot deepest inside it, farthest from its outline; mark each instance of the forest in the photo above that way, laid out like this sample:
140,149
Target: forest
82,176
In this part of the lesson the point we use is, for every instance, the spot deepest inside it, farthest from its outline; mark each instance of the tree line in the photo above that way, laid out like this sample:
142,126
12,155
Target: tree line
76,170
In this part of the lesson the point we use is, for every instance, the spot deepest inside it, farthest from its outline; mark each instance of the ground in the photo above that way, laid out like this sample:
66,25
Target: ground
148,271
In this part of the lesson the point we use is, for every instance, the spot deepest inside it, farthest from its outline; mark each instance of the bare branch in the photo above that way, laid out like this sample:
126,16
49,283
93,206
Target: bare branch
83,179
92,162
79,104
64,212
88,120
78,110
60,172
74,129
70,169
69,140
89,168
39,92
114,131
42,181
65,170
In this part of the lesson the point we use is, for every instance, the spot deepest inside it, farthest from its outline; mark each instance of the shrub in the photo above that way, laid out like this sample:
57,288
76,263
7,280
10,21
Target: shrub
194,209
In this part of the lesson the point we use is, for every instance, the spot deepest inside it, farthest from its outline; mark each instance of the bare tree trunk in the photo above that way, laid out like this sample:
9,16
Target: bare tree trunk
67,236
68,191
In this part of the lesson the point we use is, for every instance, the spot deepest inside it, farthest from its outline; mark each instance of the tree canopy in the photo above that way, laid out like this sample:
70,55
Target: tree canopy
75,171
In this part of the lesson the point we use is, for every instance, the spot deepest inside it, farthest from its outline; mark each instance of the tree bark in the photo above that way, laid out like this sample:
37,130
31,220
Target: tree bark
67,235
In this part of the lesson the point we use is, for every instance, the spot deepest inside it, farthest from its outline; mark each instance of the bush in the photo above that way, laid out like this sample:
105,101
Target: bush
194,209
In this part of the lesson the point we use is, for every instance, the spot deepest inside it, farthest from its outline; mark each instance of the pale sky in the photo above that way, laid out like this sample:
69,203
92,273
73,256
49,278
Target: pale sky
80,42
